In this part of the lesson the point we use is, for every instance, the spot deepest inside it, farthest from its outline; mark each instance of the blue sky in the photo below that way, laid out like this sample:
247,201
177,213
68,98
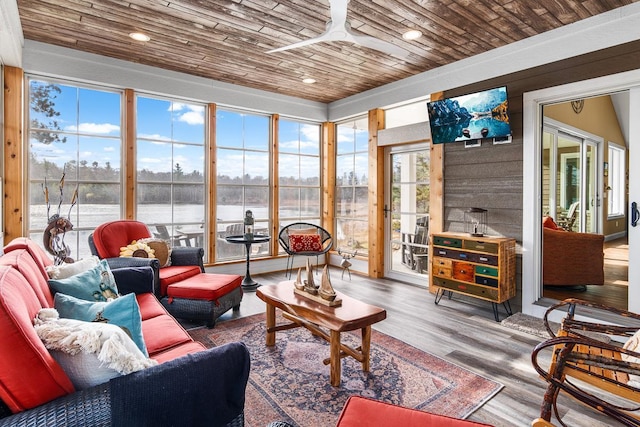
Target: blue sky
96,116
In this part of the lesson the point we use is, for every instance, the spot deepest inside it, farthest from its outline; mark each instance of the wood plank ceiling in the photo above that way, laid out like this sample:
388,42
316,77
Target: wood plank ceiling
228,40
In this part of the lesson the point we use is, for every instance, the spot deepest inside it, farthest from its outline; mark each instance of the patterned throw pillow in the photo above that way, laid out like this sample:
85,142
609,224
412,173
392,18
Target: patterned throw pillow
305,242
96,284
137,249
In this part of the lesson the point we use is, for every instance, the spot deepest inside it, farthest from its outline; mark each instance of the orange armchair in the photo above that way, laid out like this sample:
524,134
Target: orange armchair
571,259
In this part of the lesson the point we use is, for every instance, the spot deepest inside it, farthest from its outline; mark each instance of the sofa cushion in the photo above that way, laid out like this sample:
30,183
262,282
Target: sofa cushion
162,333
150,307
23,262
37,253
178,351
66,270
204,286
91,353
42,379
95,284
176,273
123,312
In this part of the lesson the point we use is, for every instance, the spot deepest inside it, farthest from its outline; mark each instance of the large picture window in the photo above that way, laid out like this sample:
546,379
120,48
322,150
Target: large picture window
170,157
352,180
299,172
243,178
74,132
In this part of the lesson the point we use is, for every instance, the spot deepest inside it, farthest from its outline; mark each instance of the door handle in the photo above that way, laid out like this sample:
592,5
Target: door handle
635,214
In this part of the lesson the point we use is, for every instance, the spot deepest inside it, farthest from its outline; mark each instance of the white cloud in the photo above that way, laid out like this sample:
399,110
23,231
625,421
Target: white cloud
192,115
154,136
98,128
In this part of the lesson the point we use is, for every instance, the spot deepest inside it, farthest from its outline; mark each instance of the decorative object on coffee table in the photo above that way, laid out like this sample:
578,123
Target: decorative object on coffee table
326,290
298,283
309,285
323,294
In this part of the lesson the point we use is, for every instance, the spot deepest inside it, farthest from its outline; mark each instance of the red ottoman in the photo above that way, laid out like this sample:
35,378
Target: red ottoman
363,412
204,296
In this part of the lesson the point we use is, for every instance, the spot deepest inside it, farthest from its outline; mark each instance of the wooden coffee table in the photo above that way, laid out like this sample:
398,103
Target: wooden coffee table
301,311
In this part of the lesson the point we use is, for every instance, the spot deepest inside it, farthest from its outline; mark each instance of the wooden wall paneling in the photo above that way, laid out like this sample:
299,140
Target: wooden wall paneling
211,179
376,195
275,197
13,154
130,154
328,156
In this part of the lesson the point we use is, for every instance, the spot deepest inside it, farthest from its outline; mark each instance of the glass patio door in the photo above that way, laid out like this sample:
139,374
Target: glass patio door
570,184
407,213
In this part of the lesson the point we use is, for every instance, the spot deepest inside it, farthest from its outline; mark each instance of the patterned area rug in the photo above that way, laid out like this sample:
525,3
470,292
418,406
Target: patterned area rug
289,382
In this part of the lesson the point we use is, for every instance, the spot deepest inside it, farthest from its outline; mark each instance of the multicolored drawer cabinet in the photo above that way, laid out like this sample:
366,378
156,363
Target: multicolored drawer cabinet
481,267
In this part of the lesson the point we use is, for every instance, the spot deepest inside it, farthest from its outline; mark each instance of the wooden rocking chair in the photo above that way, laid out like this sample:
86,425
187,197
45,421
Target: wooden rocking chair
602,375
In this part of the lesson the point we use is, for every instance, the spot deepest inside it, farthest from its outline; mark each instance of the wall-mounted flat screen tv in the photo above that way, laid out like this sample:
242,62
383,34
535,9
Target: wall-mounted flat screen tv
468,117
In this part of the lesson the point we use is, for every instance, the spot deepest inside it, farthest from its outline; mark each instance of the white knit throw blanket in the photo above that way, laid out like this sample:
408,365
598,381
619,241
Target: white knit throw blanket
112,346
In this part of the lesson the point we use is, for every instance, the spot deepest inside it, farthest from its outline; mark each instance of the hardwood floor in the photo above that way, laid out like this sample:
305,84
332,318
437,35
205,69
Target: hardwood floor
462,331
616,279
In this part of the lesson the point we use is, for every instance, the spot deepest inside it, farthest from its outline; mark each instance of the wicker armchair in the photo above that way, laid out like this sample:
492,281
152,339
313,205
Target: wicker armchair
325,242
609,380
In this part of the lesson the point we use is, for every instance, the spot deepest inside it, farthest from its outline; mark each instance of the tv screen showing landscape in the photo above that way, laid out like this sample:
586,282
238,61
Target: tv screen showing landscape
475,116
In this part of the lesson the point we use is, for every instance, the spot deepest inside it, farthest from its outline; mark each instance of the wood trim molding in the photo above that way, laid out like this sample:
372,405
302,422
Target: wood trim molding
436,186
328,156
212,178
376,195
14,192
275,197
130,153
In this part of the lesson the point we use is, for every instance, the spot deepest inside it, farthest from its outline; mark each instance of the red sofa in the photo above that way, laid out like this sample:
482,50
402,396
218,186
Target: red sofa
30,376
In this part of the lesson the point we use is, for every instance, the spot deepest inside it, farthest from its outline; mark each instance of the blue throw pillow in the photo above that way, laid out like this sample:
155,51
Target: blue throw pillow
95,284
123,312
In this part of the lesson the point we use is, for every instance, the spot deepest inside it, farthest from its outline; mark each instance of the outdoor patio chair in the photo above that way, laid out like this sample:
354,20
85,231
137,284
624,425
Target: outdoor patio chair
415,246
162,232
590,364
306,239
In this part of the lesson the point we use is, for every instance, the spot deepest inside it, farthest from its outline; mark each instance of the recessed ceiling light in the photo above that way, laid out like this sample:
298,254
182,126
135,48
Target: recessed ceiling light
308,80
140,37
412,35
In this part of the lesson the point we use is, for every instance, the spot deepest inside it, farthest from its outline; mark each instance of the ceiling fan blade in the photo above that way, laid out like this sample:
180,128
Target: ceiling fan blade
377,44
338,12
299,44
